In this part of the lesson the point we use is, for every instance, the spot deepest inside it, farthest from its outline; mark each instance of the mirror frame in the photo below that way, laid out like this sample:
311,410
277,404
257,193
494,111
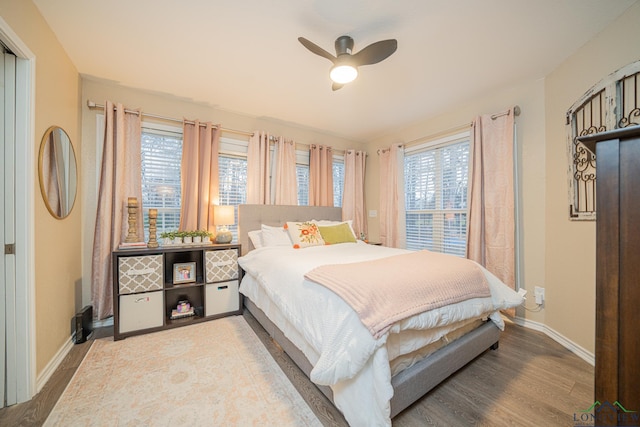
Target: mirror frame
45,180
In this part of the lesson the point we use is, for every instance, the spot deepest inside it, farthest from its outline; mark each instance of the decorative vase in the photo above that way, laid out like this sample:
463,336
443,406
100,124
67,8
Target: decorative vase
187,239
197,239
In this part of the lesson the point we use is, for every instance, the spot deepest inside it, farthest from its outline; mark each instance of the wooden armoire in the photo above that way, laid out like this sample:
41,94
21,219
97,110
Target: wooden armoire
617,370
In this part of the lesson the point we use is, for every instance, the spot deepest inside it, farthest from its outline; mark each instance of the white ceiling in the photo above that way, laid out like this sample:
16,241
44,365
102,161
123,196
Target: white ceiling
243,56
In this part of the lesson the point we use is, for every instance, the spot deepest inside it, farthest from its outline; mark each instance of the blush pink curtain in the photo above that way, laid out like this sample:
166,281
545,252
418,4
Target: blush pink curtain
353,206
392,211
258,191
491,224
199,175
320,176
120,178
286,182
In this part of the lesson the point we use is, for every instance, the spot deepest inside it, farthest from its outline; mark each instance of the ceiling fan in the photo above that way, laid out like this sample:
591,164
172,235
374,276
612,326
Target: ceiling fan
345,64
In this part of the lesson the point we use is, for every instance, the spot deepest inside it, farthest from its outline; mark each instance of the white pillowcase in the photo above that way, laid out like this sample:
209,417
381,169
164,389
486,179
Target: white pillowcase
256,238
275,236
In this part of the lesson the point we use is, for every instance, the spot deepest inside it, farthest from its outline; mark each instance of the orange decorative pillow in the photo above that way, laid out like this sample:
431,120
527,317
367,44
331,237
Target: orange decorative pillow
304,234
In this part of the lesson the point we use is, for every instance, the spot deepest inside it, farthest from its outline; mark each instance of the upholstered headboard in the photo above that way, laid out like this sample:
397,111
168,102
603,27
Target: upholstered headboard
250,217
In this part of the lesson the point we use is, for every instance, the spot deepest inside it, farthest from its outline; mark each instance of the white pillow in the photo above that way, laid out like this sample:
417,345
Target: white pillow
275,236
325,223
256,238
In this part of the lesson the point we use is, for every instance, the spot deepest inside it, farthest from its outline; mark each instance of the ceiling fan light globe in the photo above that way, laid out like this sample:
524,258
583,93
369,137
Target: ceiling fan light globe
343,74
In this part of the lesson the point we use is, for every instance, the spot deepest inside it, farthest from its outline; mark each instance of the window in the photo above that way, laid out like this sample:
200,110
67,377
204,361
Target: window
338,180
436,178
302,174
232,176
161,158
161,162
233,185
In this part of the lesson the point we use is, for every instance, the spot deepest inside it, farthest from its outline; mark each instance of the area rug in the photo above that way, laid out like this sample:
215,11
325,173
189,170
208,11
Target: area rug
214,373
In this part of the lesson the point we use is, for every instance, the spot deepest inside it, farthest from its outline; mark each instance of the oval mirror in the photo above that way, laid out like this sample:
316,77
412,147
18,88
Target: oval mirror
57,171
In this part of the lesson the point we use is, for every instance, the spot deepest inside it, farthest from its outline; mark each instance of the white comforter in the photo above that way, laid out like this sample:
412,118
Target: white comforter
343,352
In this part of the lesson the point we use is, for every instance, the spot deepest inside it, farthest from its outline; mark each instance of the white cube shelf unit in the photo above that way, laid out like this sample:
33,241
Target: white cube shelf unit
149,284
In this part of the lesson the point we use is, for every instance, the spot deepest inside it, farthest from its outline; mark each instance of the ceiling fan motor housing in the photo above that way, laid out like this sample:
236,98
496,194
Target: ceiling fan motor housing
344,45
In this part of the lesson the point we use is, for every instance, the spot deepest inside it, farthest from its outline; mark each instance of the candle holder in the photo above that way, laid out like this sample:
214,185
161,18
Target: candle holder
132,209
153,217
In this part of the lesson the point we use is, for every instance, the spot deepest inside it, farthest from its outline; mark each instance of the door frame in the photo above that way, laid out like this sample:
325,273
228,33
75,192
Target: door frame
24,212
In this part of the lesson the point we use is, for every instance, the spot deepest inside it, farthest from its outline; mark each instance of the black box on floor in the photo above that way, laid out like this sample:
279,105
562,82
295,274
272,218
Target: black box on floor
84,324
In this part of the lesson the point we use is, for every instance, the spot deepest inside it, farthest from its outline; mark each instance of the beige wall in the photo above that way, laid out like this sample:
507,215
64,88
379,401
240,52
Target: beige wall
556,253
57,253
570,247
168,106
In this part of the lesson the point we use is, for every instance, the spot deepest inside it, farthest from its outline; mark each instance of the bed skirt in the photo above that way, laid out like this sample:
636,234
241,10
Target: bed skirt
412,383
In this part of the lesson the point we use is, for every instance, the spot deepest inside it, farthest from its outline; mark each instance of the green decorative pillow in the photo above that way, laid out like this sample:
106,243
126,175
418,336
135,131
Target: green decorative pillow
304,234
337,234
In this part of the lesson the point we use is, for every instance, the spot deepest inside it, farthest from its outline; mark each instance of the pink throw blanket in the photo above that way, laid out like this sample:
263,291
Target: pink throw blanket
387,290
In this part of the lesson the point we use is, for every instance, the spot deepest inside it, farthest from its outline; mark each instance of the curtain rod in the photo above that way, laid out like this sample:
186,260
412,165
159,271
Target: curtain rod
516,112
93,105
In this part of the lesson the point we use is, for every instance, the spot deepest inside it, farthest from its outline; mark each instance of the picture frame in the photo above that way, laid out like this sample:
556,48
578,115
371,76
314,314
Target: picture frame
184,272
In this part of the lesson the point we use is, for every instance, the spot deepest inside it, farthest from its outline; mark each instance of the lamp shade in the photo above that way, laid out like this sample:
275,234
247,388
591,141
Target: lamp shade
223,215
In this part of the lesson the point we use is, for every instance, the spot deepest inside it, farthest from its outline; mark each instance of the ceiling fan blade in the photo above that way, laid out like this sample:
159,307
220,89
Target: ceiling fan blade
316,49
336,86
375,52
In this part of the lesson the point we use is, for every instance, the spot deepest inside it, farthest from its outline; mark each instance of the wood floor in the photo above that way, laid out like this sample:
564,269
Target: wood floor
36,411
529,381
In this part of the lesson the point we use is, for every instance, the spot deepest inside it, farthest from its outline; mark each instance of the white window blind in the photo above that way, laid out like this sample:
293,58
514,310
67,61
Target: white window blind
233,185
302,175
436,179
161,158
338,180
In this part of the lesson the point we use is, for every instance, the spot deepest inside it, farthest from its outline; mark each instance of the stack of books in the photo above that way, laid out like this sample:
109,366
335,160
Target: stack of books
175,314
134,245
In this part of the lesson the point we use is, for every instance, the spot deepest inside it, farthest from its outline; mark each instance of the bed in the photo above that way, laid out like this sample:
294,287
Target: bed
369,378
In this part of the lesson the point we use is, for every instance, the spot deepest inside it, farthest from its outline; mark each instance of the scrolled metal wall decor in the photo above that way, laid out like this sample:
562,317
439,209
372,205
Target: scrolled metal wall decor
613,103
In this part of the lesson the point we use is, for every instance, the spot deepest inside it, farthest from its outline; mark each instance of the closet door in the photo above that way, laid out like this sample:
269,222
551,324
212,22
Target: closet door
8,335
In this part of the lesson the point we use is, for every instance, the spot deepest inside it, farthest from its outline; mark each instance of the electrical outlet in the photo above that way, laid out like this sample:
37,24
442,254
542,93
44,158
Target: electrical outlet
539,294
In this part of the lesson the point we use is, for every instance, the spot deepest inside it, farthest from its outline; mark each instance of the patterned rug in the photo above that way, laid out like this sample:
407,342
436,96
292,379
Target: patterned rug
213,373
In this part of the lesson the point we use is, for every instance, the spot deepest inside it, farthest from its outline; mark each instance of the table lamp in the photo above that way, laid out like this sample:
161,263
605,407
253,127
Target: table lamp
223,216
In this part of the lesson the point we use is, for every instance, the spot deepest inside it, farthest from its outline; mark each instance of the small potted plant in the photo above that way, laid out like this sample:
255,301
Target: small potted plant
197,237
177,237
205,236
167,237
186,237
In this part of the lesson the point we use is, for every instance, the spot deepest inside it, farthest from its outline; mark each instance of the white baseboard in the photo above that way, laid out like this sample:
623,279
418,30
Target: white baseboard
53,364
62,353
579,351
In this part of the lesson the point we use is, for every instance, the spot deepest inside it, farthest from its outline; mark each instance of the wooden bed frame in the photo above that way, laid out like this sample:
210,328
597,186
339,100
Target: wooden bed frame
410,384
